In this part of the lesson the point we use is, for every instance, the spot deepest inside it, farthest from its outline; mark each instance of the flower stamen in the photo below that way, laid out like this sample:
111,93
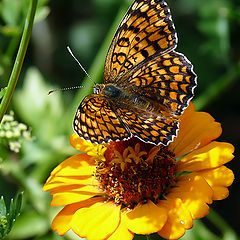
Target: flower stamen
132,176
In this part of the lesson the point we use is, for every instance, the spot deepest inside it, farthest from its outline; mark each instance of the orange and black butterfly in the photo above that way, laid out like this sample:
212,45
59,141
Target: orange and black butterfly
147,85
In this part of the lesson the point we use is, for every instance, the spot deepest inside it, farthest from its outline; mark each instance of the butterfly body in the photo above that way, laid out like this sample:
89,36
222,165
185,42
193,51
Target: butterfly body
120,98
113,92
147,85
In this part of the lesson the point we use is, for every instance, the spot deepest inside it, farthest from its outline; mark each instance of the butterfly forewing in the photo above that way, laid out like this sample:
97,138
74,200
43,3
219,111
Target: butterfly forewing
96,121
167,79
146,31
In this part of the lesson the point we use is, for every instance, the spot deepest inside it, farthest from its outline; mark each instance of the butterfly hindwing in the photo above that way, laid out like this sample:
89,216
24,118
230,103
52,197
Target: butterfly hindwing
150,128
96,121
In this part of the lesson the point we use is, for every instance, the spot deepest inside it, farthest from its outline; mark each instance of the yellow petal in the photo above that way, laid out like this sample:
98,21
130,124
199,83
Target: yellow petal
61,187
77,165
195,193
76,171
218,178
79,143
212,155
57,184
76,188
66,197
179,219
122,232
62,222
146,218
220,192
78,180
196,130
96,222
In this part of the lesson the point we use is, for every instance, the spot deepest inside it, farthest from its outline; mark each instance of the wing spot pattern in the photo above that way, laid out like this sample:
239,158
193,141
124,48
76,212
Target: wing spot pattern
144,8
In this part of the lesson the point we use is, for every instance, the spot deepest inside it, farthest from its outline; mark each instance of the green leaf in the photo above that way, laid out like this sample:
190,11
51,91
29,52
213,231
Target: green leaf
7,219
10,11
15,206
10,31
42,112
10,216
3,210
4,227
18,204
41,14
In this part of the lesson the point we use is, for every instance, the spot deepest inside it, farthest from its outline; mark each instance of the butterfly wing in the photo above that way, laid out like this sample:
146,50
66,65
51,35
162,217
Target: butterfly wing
153,128
142,63
167,80
146,31
165,83
96,121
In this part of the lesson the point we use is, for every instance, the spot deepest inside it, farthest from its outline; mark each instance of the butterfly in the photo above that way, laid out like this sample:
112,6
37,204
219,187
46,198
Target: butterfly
147,85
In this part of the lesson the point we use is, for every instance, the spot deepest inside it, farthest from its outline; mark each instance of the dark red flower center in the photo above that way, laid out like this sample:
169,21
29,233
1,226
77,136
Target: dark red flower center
135,172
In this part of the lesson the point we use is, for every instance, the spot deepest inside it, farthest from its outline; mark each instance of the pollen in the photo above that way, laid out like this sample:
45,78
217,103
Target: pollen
134,172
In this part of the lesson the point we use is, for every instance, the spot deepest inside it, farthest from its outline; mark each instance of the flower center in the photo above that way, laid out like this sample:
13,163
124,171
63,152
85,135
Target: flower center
134,172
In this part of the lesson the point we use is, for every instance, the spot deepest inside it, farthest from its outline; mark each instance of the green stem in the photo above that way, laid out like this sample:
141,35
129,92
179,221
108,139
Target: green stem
19,59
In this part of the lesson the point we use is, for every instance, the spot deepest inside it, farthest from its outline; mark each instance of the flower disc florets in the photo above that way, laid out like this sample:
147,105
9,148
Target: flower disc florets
134,172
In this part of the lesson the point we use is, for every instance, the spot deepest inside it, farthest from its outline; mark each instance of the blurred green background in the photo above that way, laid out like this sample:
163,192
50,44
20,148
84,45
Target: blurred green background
209,33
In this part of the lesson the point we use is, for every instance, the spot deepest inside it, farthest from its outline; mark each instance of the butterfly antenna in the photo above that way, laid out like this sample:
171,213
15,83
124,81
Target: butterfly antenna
70,51
67,88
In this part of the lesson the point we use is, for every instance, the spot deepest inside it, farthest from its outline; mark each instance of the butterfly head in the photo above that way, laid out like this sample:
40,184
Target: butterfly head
110,91
97,88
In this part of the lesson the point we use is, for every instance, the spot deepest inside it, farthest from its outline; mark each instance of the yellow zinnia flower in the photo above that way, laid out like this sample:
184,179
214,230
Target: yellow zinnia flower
117,189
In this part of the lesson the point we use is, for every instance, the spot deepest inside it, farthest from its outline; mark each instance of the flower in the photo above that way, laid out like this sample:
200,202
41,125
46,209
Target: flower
114,190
